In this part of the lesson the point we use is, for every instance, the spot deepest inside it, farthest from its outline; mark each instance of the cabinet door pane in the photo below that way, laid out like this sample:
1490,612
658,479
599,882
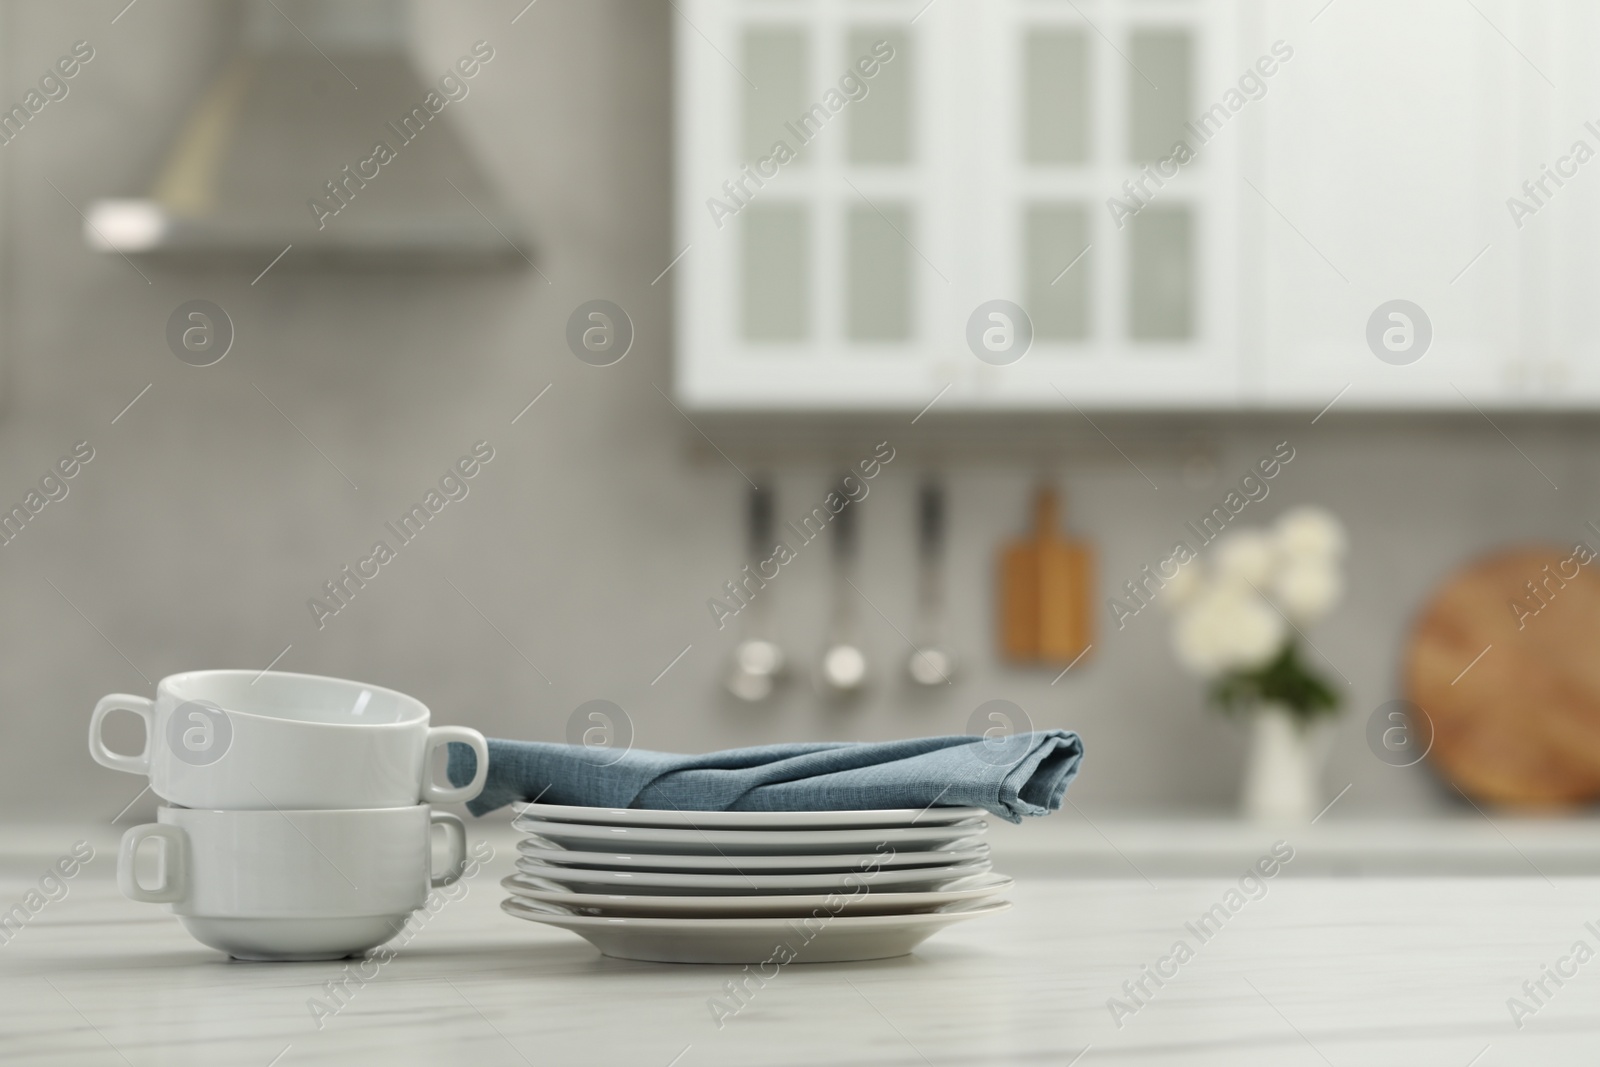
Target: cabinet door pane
776,60
880,120
1056,95
879,297
1161,274
777,272
1158,91
1058,299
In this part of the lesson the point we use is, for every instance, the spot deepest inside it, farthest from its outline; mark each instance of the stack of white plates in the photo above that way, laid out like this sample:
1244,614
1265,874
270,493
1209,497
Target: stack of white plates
753,887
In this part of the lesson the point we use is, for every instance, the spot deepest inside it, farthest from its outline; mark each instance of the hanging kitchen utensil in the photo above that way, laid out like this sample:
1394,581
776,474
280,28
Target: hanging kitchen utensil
844,665
1045,592
758,665
930,664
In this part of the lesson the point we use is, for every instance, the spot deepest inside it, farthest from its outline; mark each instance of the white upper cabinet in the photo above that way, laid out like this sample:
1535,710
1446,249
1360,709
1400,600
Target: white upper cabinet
1106,203
818,239
1559,214
1388,148
1190,203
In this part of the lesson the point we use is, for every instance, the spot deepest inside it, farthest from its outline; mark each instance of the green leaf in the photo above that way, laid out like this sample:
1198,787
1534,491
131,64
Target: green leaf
1285,681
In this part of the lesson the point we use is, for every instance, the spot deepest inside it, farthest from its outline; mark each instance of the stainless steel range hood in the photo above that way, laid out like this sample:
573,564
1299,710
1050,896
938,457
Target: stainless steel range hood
295,120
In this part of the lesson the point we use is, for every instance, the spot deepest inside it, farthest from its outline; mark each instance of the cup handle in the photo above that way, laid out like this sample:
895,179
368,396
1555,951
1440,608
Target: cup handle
432,792
174,864
455,832
140,706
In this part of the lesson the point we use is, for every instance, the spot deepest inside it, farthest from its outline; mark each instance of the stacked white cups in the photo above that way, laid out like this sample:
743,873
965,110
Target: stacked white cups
298,823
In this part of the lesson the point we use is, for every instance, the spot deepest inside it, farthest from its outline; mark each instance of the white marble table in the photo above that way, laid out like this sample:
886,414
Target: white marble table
1317,971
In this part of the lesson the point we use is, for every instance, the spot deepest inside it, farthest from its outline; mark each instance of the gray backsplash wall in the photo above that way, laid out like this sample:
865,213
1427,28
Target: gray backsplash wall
580,564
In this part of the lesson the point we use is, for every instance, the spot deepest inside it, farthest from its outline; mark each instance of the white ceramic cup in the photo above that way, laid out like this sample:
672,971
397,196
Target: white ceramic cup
254,740
293,884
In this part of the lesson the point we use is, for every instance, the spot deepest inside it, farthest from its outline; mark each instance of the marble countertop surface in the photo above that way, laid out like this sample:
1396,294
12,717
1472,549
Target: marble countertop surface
1303,969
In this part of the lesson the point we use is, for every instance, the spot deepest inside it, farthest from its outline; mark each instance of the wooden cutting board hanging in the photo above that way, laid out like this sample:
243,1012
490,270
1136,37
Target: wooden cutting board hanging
1521,726
1045,592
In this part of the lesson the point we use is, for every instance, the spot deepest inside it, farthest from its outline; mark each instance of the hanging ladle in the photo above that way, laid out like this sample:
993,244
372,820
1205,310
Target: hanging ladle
844,665
930,664
759,665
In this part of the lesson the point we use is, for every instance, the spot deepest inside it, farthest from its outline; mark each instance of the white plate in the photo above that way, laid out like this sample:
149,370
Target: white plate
769,941
681,883
697,842
563,857
752,820
976,887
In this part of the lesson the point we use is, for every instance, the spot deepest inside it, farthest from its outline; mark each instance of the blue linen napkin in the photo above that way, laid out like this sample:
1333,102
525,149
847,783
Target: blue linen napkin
1022,774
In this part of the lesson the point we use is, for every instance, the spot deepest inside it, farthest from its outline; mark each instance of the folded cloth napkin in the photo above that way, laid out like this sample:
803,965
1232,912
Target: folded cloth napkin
1022,774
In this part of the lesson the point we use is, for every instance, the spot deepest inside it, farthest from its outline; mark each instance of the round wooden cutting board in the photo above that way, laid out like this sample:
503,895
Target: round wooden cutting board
1522,725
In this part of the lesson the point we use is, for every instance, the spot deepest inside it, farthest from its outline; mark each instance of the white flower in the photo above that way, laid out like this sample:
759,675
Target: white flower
1228,627
1310,533
1184,586
1308,590
1250,556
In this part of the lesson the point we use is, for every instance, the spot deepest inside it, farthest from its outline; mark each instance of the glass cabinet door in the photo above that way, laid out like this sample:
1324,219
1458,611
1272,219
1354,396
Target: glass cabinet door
1117,236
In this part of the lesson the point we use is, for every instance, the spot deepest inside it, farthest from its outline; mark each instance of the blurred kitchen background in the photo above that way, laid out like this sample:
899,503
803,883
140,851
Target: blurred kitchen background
580,564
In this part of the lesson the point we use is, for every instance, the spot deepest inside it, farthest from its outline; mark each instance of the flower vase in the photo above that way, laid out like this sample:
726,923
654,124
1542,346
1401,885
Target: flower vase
1283,771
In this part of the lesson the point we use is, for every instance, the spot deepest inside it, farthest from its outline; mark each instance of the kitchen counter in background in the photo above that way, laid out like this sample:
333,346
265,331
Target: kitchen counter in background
1315,969
1160,845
